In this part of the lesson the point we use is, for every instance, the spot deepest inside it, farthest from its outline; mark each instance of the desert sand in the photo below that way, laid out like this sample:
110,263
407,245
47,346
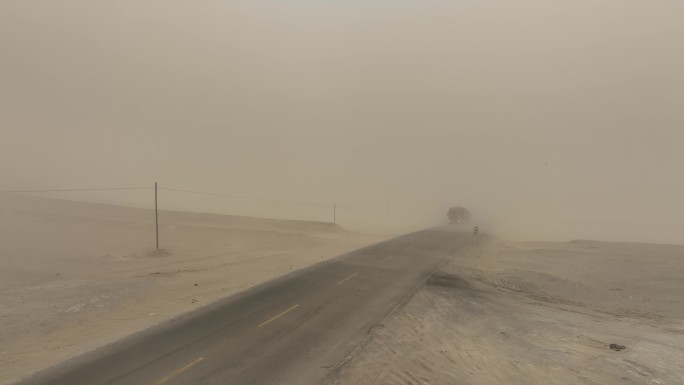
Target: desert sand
535,313
75,275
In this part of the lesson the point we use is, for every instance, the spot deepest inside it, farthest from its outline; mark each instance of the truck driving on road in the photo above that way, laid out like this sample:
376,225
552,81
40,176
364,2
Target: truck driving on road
458,215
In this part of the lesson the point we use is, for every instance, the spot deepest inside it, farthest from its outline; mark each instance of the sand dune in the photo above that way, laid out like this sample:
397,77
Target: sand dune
536,313
78,275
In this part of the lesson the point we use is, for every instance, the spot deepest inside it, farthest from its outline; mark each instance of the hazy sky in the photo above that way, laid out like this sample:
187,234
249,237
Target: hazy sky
549,119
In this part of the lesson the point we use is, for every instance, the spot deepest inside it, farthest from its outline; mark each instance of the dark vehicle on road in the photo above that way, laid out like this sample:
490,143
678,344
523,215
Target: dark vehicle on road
458,215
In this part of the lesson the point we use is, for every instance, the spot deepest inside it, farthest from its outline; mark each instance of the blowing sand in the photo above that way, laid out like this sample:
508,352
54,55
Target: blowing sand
77,275
536,313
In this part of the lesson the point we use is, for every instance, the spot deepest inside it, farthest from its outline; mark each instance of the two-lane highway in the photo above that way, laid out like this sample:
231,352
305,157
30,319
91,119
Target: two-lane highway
292,330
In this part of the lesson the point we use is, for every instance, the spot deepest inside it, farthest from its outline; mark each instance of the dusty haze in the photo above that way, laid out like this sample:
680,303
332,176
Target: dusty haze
548,119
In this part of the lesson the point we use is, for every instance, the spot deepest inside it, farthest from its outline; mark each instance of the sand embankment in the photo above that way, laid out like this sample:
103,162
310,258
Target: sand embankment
536,313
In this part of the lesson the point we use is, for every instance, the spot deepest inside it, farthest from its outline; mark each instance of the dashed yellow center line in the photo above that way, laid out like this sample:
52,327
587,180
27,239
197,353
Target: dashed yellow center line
178,371
348,278
278,316
386,258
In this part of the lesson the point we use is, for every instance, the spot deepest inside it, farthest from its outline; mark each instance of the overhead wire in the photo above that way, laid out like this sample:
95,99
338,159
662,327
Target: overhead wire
76,189
234,196
245,197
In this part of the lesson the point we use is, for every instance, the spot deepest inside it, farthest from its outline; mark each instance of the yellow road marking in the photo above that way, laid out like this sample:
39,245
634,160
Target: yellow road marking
178,371
278,316
348,278
386,258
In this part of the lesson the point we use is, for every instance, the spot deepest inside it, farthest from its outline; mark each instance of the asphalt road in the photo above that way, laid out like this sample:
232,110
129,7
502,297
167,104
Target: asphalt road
293,330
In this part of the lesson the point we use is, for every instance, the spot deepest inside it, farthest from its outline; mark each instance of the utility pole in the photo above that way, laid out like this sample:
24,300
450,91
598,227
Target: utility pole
156,213
334,213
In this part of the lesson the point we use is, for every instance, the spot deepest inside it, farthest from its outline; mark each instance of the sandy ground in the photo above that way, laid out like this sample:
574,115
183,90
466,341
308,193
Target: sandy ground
536,313
77,275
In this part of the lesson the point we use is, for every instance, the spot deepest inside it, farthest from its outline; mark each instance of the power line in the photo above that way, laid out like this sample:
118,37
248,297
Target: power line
343,205
75,189
245,197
